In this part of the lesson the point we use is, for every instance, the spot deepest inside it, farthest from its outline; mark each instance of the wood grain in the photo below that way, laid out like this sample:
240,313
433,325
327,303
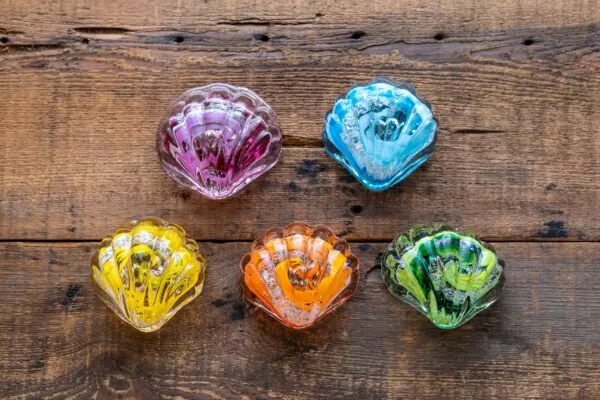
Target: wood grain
515,86
408,17
87,197
538,342
507,166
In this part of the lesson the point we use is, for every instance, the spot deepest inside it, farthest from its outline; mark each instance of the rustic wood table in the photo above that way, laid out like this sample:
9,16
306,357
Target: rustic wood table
515,85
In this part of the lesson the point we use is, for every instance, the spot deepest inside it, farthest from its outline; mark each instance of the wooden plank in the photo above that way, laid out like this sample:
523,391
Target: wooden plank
239,42
538,342
77,189
408,16
473,82
77,155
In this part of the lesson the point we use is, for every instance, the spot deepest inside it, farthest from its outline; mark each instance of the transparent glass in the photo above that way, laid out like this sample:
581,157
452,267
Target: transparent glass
447,275
381,132
217,139
298,274
147,271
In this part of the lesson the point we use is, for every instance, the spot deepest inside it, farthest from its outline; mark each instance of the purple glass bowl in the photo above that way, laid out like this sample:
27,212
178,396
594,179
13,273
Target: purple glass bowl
216,139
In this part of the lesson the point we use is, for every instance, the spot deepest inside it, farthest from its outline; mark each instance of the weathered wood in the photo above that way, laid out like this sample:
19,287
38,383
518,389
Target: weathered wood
238,44
83,187
408,17
474,81
539,341
77,157
515,85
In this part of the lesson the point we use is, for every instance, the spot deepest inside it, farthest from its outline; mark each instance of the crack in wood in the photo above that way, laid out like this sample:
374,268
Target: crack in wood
35,47
476,131
101,30
4,31
263,22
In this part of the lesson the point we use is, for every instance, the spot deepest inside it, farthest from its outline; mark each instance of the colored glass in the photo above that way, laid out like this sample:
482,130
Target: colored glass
217,139
381,132
447,275
298,274
147,271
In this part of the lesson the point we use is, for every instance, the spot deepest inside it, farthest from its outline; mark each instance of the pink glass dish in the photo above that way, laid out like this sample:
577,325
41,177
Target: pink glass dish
216,139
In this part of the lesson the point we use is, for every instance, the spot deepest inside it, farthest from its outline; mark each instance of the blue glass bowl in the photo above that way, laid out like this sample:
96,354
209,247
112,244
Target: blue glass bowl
381,132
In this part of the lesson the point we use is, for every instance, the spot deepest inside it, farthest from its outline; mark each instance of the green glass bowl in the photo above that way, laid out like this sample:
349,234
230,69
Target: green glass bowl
448,275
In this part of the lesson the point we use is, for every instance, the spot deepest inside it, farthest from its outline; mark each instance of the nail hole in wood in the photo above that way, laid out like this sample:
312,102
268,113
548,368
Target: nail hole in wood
263,37
356,209
85,40
528,42
178,39
440,36
4,40
357,34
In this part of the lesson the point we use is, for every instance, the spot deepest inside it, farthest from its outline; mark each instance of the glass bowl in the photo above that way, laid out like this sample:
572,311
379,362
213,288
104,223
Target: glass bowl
381,132
147,271
216,139
447,275
299,274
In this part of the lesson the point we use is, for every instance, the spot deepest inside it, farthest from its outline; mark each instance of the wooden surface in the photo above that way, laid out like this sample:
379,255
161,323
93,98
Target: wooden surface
515,86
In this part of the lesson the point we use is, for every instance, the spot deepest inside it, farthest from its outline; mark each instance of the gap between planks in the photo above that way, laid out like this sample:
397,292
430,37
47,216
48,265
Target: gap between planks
353,240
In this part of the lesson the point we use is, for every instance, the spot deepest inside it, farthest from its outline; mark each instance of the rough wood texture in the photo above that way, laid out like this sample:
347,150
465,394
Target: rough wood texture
507,165
78,152
516,87
86,197
539,341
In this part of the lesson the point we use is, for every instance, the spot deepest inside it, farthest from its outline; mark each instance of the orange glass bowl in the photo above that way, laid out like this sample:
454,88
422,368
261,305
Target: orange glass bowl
299,274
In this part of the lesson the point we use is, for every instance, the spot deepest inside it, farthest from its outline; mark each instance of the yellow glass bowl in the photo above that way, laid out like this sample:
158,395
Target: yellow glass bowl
147,271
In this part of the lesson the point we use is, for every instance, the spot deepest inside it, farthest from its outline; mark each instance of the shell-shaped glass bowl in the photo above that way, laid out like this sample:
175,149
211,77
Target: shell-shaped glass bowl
147,271
381,132
447,275
298,274
217,139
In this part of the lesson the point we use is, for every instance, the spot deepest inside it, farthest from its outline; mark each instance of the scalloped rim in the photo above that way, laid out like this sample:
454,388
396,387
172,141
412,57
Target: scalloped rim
126,226
424,231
